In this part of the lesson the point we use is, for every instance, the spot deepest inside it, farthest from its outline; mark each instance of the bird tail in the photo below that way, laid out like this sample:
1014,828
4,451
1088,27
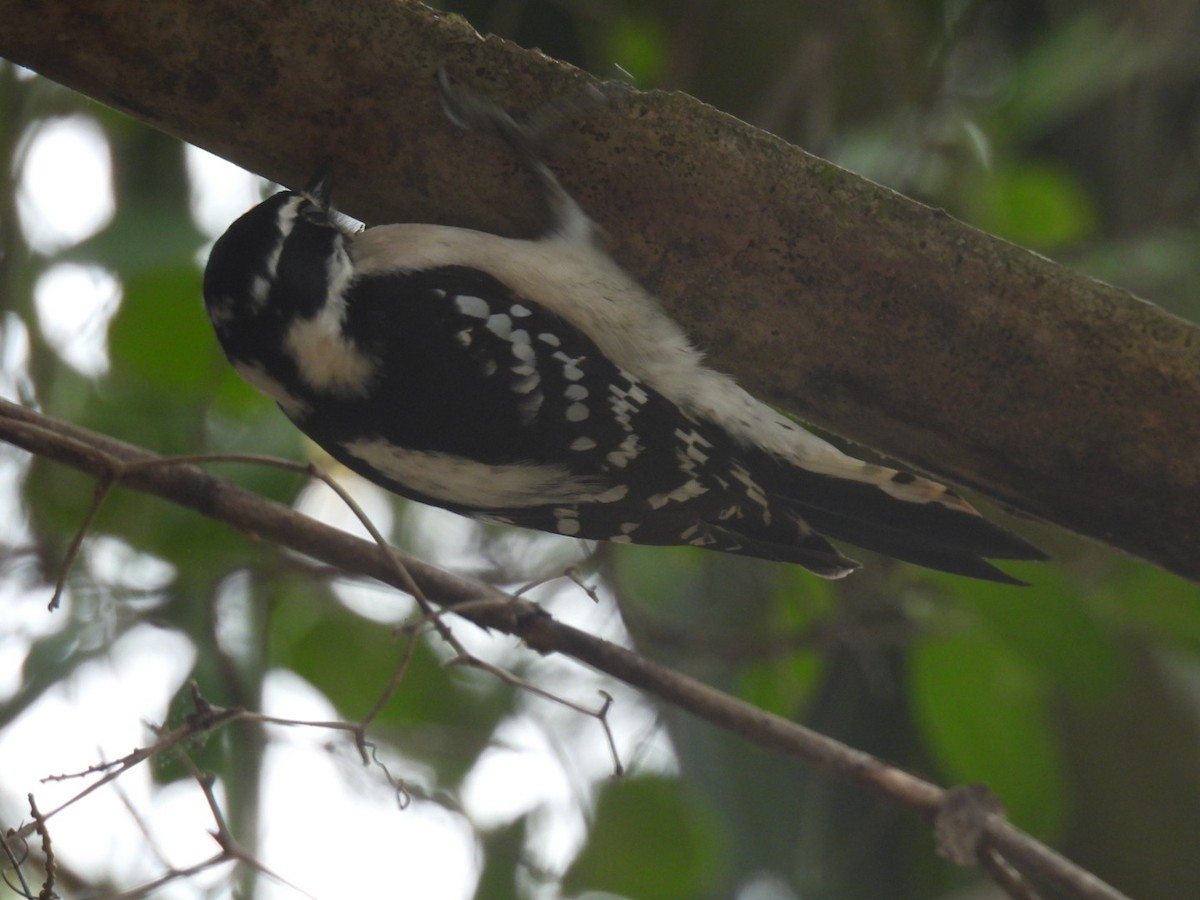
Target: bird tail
896,514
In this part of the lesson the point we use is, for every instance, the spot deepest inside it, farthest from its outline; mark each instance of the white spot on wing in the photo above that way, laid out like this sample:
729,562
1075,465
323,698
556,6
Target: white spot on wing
530,407
753,490
566,520
625,401
583,443
577,412
475,307
526,384
613,494
575,279
686,491
500,325
692,442
629,450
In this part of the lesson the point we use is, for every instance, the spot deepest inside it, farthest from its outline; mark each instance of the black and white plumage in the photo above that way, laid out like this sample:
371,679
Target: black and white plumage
535,383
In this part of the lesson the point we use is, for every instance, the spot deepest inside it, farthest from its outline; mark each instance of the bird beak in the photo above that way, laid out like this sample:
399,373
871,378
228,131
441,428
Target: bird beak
320,187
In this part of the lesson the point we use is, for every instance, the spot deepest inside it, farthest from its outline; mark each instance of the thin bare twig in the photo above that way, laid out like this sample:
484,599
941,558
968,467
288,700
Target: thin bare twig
103,486
39,825
264,519
570,572
204,717
224,837
16,864
121,470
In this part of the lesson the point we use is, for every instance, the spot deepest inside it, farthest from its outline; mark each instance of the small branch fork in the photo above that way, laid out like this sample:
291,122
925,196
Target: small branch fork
204,718
120,470
971,831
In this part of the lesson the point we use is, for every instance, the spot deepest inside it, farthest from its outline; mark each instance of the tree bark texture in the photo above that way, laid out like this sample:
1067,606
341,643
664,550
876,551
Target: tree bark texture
860,311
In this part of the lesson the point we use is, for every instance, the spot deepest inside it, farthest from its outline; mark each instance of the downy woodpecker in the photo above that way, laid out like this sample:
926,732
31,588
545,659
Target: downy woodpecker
535,383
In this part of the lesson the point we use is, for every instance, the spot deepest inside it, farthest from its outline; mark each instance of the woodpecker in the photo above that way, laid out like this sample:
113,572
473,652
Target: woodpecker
535,383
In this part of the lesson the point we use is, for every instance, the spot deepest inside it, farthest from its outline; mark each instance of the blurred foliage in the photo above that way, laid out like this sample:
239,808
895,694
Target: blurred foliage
654,863
1070,127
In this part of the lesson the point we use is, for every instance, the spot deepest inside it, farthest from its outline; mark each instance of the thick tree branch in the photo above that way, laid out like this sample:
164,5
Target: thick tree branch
861,311
187,486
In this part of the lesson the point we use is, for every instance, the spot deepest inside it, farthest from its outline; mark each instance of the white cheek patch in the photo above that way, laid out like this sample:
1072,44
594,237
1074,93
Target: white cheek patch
325,358
464,482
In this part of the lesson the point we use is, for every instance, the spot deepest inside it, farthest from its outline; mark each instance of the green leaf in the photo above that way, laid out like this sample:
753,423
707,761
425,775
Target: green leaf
1056,626
651,839
782,677
213,751
1037,204
655,576
161,336
637,45
1073,67
782,684
1155,601
984,714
